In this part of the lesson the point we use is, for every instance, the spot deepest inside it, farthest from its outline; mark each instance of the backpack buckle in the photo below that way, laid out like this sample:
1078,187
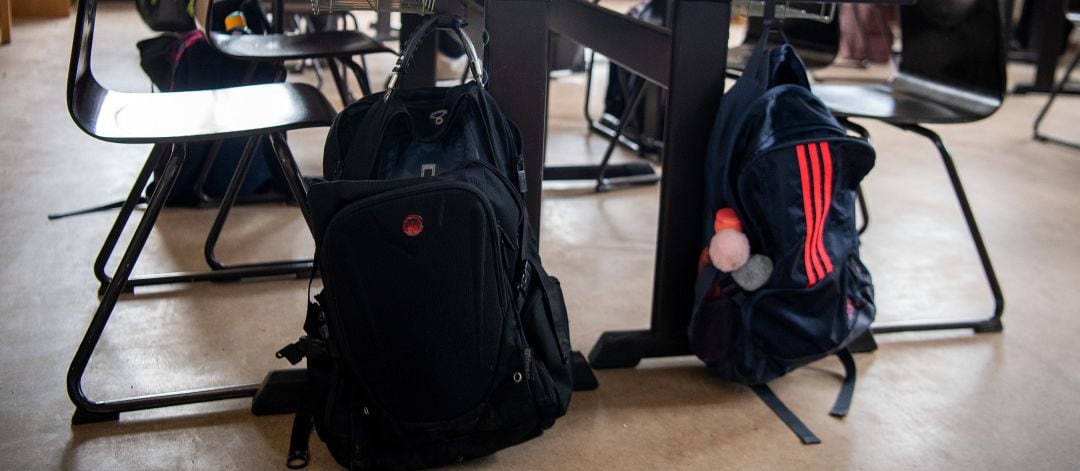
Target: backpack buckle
305,347
292,352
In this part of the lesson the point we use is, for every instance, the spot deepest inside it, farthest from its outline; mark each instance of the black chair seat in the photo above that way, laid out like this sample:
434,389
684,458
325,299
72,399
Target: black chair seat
277,47
198,115
888,102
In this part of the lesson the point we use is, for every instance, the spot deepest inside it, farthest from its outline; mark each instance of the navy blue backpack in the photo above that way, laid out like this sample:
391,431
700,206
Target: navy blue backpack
783,163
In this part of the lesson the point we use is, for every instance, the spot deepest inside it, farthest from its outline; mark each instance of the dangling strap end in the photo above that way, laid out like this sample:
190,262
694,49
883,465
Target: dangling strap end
847,390
292,352
298,442
790,419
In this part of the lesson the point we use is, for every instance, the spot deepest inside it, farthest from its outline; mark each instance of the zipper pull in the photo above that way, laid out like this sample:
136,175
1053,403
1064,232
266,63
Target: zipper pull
528,363
522,186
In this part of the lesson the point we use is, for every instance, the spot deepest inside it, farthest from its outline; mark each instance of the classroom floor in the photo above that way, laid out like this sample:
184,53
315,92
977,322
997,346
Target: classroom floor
946,400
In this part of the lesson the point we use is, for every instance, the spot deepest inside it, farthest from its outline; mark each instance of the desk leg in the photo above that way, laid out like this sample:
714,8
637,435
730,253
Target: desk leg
517,62
518,66
698,59
1048,27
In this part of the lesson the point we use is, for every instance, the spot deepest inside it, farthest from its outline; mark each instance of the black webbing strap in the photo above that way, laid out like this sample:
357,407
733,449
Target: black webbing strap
843,400
94,209
840,407
770,399
298,443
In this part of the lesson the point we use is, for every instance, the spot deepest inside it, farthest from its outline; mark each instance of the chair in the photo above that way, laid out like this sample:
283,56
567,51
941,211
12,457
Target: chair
616,129
1074,17
168,120
333,46
951,70
336,46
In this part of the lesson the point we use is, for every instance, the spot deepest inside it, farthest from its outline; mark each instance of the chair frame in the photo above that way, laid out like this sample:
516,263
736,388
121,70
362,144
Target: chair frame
307,108
1062,87
991,322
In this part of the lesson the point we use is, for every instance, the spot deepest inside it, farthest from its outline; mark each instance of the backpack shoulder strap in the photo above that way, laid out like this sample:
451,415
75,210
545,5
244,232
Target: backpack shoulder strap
840,407
770,399
298,440
847,390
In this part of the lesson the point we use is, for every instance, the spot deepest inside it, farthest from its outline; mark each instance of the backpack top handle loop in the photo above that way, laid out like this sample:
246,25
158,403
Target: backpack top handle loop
417,38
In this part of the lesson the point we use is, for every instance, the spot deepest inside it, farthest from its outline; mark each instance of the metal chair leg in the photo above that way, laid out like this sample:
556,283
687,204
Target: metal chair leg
293,176
602,183
206,200
988,324
339,81
588,86
605,174
133,199
864,211
293,267
228,200
219,272
360,73
602,128
87,410
1042,113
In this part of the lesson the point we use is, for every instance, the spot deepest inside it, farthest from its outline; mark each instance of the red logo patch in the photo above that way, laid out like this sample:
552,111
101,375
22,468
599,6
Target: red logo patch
413,225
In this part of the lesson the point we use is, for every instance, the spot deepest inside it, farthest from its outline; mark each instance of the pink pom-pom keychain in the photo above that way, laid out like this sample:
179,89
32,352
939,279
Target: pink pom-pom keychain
729,248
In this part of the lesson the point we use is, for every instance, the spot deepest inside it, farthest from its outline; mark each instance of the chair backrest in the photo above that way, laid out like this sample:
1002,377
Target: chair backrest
955,43
118,116
81,82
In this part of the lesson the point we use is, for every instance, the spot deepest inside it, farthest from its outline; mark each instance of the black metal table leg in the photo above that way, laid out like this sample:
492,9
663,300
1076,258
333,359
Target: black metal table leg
698,55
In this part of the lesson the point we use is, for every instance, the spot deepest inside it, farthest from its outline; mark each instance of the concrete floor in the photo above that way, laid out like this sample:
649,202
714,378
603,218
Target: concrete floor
947,400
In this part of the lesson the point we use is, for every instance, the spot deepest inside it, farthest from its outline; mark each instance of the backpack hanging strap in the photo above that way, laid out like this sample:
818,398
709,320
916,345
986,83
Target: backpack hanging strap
770,399
847,390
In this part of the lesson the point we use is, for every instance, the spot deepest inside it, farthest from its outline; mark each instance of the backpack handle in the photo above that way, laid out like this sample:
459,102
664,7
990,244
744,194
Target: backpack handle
758,65
417,38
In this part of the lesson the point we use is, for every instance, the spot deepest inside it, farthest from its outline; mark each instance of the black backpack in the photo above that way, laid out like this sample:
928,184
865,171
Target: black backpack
783,163
438,337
